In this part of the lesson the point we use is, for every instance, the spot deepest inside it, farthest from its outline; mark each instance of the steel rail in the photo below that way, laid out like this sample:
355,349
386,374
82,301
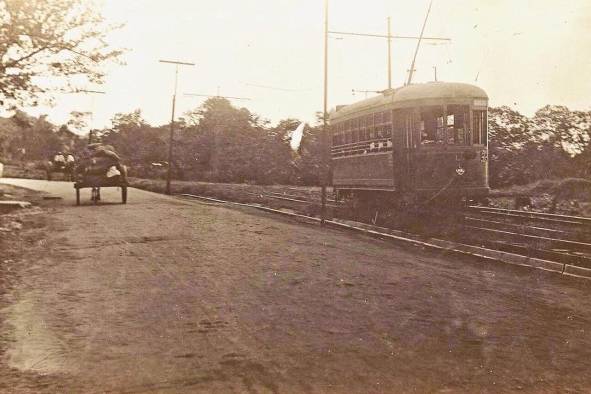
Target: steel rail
535,215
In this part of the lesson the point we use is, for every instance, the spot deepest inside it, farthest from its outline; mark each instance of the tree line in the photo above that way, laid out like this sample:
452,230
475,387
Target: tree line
218,142
555,143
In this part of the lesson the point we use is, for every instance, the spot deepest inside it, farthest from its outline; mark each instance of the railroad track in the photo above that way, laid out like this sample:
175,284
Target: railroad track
564,239
560,255
560,238
299,199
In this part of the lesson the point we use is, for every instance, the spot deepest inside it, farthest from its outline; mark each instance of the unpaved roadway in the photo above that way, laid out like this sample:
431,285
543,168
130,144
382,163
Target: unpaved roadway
163,295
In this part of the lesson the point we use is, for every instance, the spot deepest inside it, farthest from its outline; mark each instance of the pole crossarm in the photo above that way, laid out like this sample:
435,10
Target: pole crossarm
366,91
177,62
88,91
215,95
388,36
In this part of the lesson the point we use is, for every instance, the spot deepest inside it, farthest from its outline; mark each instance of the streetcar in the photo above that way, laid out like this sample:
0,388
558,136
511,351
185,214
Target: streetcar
423,143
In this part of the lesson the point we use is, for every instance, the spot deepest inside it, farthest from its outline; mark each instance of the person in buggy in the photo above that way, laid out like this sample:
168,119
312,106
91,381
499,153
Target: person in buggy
59,161
70,163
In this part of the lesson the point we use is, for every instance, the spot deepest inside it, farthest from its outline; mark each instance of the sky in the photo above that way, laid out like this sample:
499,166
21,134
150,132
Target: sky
524,54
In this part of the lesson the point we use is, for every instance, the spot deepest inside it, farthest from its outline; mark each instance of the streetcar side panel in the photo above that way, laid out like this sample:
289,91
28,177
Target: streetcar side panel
362,151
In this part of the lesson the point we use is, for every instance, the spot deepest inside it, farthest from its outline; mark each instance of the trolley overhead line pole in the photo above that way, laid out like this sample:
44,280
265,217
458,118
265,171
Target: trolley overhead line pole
91,108
323,139
389,38
176,77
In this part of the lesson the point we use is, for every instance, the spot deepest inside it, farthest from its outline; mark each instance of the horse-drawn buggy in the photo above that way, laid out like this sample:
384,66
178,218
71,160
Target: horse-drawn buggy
100,167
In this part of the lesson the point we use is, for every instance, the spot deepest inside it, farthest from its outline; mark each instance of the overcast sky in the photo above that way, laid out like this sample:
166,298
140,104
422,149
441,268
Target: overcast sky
526,53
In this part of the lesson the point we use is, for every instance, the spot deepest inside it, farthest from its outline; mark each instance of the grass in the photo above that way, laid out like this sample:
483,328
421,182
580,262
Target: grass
239,192
567,196
570,196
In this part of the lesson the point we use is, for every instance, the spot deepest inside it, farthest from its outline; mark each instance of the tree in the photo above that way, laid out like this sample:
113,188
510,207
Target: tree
79,121
274,160
138,143
226,140
509,133
40,138
568,130
554,143
45,43
311,161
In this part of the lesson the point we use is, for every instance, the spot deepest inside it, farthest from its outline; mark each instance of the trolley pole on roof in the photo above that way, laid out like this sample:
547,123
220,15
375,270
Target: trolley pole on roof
176,77
324,159
412,65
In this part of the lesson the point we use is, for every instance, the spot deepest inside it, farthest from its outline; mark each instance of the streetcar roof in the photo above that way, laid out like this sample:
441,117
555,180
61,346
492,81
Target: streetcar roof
406,96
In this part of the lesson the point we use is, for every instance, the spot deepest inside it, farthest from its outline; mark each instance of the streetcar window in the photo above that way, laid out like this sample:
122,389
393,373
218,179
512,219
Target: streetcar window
387,117
456,125
431,125
377,132
354,130
479,127
369,120
362,136
378,118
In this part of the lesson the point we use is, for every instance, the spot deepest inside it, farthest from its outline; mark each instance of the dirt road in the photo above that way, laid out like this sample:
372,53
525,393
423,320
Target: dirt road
163,295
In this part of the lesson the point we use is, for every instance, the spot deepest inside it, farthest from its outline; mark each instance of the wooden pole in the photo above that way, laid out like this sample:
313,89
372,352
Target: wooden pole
324,159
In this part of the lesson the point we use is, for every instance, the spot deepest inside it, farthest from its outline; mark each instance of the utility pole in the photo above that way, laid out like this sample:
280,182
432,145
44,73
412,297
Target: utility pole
324,159
91,109
176,78
389,56
389,38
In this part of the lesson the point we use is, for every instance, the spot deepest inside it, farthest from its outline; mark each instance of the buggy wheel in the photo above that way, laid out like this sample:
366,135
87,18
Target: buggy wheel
124,194
77,196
